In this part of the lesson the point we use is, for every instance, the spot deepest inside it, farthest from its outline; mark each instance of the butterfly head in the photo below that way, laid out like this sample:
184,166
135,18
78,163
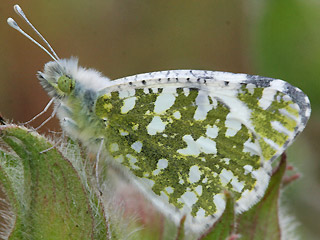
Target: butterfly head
58,77
64,78
66,84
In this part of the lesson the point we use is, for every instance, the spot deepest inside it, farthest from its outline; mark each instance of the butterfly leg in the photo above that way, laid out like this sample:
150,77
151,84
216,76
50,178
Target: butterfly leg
97,165
42,112
49,118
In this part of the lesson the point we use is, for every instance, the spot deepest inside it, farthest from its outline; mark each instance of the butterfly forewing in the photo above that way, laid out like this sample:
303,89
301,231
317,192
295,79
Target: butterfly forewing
187,137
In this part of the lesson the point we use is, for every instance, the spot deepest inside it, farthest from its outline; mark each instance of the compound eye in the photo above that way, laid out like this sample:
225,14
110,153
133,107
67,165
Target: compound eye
66,84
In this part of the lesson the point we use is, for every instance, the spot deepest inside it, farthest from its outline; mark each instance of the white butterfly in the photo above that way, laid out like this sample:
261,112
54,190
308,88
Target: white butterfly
181,136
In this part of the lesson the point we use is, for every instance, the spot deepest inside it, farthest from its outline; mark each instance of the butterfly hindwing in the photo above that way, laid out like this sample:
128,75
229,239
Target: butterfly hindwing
186,137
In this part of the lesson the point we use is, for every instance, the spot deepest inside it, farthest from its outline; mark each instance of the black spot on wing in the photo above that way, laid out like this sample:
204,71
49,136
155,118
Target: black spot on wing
259,81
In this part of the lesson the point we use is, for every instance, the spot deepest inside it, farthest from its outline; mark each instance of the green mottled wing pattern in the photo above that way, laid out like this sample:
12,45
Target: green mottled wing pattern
185,139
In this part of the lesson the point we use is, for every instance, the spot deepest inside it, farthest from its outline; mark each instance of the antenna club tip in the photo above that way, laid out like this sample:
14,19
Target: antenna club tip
16,6
18,9
11,22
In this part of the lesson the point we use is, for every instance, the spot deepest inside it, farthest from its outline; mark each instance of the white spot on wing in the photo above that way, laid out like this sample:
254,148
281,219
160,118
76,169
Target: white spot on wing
123,133
194,174
156,126
232,124
198,190
277,84
189,198
280,128
238,109
247,169
191,149
225,176
177,114
226,160
252,148
162,164
207,145
219,201
137,146
212,131
194,148
201,213
214,102
203,106
237,186
287,114
169,189
267,98
128,104
272,144
186,91
163,102
251,87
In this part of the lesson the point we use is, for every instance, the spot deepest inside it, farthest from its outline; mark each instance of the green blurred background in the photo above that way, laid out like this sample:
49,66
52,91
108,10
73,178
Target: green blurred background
274,38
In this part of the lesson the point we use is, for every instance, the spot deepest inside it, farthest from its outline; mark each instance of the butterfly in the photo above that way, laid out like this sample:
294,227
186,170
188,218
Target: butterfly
182,137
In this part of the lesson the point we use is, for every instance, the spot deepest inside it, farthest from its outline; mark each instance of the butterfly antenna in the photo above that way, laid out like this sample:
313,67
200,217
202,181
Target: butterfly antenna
19,11
12,23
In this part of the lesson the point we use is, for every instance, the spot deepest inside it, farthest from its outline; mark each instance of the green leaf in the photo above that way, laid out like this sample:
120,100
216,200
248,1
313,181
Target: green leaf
262,220
225,226
9,204
52,202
